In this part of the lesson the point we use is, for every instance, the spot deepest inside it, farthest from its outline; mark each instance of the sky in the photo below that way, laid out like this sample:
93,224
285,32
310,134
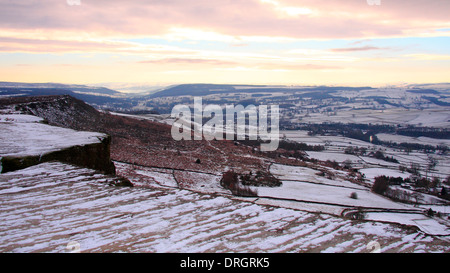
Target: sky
288,42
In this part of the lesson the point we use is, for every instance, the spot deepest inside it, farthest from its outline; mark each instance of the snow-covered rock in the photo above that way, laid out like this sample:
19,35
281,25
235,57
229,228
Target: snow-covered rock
26,141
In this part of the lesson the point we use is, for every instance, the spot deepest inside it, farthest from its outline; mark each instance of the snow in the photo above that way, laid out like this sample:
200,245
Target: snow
192,180
302,136
326,194
17,118
23,135
428,225
333,156
418,140
428,117
371,173
303,189
304,174
303,206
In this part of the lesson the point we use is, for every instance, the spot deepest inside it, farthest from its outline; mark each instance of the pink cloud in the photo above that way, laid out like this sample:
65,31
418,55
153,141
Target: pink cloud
214,62
355,49
284,66
329,18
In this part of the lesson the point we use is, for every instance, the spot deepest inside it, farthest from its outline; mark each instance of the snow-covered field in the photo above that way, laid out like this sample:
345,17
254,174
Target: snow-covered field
371,173
302,189
335,151
370,167
391,116
302,136
423,117
334,156
418,140
52,207
302,184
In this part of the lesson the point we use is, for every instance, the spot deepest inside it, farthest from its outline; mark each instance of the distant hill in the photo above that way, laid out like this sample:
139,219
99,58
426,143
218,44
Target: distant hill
108,99
100,97
194,90
208,89
58,86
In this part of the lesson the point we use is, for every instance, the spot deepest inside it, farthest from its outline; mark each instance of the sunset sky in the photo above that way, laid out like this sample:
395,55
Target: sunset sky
301,42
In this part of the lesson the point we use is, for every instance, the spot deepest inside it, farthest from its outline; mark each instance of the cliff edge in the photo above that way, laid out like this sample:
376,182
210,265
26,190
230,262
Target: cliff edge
26,140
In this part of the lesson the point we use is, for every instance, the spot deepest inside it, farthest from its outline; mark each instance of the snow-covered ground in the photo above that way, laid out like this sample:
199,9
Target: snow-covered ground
52,207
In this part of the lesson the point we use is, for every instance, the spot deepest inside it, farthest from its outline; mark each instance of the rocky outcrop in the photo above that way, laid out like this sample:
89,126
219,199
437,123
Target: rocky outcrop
94,156
28,140
63,111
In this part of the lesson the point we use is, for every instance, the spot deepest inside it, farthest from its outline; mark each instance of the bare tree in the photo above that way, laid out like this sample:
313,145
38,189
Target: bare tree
414,169
417,198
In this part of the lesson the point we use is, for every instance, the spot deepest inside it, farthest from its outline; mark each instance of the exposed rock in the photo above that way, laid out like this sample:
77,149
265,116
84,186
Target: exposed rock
94,156
64,110
26,142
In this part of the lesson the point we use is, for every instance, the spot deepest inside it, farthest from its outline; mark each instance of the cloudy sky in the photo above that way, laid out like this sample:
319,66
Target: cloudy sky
303,42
